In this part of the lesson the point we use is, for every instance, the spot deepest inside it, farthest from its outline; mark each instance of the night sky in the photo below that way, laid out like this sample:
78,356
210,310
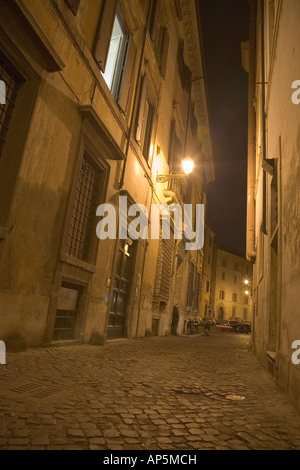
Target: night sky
225,24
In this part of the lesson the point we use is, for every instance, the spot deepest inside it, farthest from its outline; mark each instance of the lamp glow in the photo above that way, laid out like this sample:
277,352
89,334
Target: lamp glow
188,166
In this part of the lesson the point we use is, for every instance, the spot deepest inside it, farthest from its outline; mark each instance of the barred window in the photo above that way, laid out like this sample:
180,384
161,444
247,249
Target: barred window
82,226
10,83
164,268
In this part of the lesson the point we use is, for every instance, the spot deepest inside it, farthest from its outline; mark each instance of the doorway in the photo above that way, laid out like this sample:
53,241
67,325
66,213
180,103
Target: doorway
121,290
221,313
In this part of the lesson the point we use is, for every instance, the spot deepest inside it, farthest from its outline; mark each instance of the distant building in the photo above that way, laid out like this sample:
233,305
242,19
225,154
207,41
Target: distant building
232,286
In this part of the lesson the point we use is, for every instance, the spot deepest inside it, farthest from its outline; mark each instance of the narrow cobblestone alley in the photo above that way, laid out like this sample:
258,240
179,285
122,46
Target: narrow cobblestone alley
152,393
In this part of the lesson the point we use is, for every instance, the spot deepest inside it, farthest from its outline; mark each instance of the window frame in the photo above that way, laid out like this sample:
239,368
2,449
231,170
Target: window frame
145,119
12,151
120,64
90,147
87,231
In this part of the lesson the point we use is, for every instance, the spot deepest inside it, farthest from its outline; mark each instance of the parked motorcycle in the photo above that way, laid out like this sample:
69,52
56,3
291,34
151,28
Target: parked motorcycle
192,325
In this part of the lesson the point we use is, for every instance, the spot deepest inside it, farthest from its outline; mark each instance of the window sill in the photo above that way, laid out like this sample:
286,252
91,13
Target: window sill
71,260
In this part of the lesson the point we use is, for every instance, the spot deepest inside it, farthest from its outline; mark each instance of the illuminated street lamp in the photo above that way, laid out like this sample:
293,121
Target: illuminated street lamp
187,166
246,282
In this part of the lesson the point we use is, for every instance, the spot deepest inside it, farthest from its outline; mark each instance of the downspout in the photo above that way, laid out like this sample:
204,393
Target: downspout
263,99
136,95
251,171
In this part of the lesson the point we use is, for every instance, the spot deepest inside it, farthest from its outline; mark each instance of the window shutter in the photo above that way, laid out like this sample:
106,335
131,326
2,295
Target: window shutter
141,110
164,268
73,5
164,52
178,10
152,130
154,19
148,132
128,77
184,71
104,32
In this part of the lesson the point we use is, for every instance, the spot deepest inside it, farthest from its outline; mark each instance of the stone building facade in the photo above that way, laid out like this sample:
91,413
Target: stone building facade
273,219
101,97
231,286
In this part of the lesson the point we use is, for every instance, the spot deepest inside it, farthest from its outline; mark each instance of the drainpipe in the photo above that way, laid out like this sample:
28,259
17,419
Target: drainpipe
264,141
251,172
136,94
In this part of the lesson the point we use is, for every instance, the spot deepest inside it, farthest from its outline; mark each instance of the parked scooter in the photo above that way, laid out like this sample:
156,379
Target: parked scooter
192,326
207,323
244,327
207,329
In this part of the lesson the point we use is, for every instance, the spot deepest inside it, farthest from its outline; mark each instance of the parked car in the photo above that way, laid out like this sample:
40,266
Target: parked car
223,325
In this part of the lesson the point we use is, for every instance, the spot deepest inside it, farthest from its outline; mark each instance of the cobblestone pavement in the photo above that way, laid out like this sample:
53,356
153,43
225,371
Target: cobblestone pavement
151,393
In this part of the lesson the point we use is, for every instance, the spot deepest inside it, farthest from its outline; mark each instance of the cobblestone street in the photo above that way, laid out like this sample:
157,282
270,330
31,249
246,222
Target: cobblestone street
151,393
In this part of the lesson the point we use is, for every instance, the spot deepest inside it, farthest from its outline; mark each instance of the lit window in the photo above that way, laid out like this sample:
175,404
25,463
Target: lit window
116,57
